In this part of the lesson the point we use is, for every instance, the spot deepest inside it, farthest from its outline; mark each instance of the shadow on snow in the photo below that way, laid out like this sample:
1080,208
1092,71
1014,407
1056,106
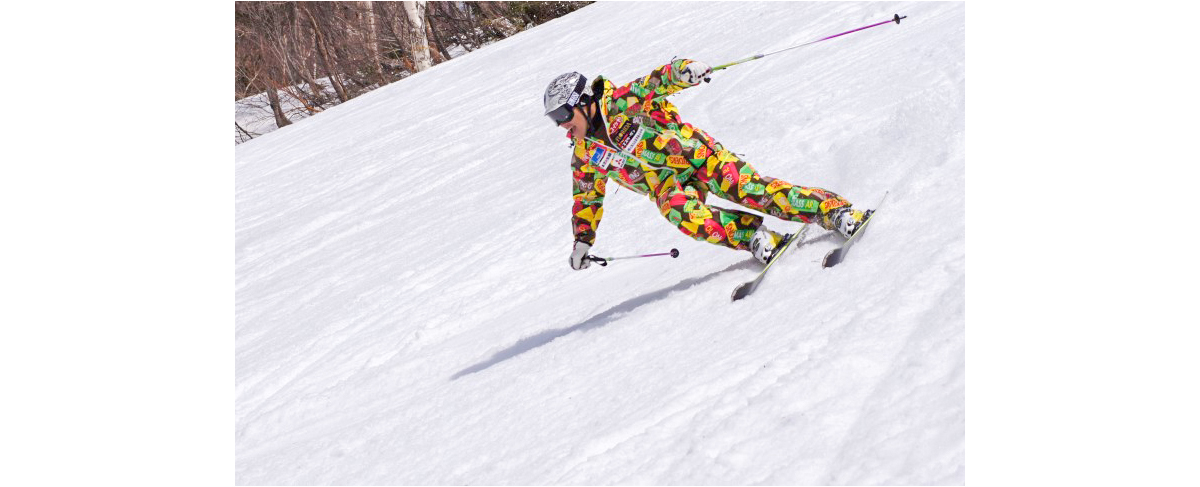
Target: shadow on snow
529,343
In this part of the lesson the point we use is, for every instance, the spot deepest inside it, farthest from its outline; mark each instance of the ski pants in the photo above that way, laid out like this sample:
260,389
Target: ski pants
730,178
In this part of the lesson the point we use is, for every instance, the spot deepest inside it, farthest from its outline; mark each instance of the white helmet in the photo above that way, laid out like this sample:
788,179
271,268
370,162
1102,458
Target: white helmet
564,94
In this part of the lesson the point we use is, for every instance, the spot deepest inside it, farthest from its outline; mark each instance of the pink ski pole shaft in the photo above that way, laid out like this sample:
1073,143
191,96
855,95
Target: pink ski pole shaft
895,19
674,253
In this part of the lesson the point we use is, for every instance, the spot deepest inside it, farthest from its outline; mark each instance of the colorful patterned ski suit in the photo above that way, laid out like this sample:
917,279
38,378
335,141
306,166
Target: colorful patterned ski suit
644,146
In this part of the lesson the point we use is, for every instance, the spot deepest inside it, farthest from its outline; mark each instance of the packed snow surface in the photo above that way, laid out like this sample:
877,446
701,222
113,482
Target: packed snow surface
406,314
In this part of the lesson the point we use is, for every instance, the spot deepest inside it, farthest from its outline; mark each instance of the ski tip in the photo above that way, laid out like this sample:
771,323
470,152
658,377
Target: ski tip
740,292
832,258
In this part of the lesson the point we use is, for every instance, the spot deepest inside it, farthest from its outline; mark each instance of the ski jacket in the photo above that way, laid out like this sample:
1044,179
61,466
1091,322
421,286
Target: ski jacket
642,144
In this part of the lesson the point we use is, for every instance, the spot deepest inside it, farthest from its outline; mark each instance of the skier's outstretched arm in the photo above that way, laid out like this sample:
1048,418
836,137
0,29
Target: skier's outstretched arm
673,77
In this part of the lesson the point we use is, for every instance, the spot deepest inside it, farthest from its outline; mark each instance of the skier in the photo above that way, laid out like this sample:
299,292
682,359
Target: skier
632,135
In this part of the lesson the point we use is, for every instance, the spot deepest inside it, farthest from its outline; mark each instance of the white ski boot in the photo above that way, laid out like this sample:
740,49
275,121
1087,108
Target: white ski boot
764,243
846,221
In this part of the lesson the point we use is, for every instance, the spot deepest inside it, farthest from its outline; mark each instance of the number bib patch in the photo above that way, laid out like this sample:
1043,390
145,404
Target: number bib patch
627,135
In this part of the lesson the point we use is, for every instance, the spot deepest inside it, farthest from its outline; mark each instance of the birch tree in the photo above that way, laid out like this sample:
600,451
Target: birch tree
418,42
373,42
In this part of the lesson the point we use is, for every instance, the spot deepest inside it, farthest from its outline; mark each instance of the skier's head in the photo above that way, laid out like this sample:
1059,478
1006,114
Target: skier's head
565,95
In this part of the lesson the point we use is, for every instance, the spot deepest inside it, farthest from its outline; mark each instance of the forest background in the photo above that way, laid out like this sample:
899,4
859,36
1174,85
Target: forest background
296,59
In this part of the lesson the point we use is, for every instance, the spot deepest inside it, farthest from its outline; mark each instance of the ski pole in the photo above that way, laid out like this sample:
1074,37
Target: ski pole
604,260
895,19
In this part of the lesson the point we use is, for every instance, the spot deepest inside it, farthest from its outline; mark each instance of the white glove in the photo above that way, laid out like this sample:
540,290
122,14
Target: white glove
579,260
694,72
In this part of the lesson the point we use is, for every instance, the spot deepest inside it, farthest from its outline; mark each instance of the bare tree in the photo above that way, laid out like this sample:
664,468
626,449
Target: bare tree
303,65
281,119
323,49
418,42
256,28
440,55
373,41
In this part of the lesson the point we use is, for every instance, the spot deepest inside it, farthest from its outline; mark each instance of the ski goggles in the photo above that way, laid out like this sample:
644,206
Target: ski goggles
562,114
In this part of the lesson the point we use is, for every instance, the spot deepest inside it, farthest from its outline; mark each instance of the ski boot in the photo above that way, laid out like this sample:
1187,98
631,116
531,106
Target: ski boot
764,243
846,221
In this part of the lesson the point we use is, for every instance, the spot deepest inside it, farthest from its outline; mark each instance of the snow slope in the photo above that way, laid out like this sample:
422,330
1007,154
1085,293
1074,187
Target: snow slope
406,315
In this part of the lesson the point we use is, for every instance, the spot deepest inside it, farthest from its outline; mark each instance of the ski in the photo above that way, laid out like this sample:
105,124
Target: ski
835,256
748,287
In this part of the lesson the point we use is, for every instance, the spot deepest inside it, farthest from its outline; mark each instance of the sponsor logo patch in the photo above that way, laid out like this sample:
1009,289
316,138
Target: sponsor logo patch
627,136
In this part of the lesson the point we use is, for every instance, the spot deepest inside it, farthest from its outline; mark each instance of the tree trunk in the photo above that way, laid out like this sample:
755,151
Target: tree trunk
439,53
373,42
271,74
323,49
302,62
418,42
281,120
